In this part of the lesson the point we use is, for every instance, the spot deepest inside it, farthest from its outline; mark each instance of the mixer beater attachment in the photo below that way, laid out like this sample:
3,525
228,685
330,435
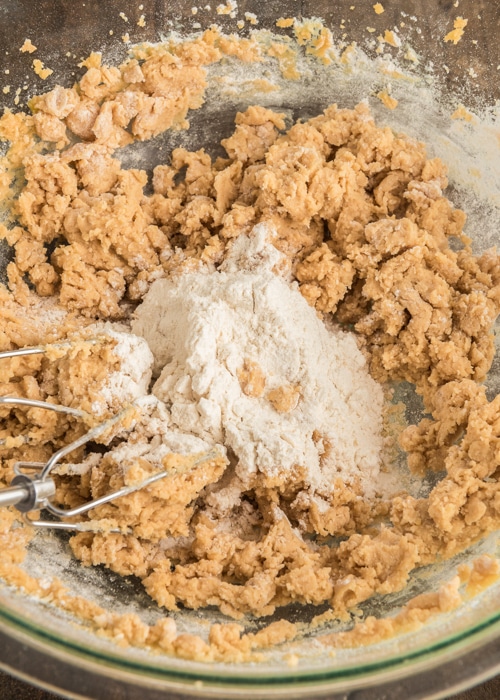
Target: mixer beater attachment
34,492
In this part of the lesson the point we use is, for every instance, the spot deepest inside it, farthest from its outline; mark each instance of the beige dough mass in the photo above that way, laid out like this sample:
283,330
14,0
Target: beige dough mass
363,227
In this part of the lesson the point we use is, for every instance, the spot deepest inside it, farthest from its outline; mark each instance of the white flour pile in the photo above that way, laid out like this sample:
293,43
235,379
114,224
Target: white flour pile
133,378
243,360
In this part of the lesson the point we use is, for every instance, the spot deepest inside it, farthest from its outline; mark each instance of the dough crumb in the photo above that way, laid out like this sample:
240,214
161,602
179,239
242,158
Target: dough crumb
252,379
28,47
39,69
228,8
411,55
457,32
390,37
284,398
379,8
386,99
251,17
285,22
462,113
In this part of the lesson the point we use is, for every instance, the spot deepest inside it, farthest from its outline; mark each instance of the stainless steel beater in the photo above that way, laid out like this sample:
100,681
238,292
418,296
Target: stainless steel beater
27,492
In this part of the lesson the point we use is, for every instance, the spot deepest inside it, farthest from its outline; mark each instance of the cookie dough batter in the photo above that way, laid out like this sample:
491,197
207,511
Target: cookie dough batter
357,223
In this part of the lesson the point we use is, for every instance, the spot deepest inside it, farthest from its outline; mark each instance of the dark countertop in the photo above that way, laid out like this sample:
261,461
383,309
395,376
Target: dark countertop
13,689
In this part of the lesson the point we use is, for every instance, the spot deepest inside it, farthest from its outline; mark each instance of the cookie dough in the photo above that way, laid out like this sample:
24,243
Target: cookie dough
363,227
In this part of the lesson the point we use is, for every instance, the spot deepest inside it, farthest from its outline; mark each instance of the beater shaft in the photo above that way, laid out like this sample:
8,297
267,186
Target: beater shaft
26,493
13,496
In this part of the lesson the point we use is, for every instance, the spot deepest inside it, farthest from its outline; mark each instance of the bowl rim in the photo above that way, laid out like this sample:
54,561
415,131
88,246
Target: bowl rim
442,665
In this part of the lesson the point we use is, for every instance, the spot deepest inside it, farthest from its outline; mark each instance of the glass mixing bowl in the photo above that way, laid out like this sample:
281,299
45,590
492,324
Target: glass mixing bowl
453,650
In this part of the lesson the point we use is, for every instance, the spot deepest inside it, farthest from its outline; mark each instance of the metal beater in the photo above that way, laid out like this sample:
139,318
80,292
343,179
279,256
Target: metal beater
33,492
